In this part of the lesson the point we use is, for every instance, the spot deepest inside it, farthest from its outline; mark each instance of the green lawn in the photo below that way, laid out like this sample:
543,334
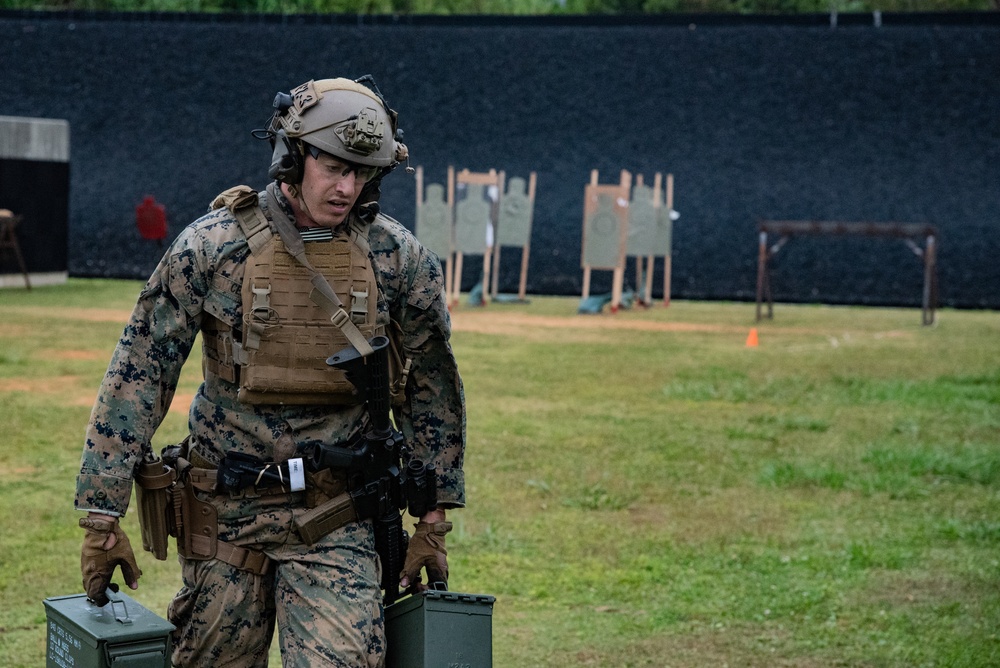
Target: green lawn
644,489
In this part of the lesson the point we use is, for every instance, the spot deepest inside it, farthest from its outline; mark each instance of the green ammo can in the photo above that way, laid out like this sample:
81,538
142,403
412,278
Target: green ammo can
440,629
122,633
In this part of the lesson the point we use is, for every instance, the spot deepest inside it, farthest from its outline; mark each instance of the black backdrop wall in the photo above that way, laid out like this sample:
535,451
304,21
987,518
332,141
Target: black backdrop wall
755,119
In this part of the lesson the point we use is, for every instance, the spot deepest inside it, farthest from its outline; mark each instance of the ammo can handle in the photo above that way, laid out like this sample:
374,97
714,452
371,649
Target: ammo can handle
115,599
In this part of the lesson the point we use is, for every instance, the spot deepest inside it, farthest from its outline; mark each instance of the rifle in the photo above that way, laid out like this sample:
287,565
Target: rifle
378,486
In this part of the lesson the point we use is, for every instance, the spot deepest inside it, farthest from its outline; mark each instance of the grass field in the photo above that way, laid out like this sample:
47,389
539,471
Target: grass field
644,489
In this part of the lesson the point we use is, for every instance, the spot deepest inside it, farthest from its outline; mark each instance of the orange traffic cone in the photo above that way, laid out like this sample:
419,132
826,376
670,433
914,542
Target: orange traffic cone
752,338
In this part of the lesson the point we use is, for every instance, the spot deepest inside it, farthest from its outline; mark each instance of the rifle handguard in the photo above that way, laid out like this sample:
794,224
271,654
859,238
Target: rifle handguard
420,487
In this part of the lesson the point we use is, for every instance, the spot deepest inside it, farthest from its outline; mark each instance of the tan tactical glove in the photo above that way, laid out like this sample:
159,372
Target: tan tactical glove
426,550
105,546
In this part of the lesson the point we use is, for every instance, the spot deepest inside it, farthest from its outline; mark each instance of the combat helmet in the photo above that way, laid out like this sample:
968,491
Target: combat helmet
344,118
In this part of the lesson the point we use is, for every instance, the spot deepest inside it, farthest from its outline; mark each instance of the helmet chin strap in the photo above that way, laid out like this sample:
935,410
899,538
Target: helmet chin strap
296,194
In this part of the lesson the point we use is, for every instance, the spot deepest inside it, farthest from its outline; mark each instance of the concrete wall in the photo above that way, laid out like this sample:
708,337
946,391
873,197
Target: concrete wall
756,118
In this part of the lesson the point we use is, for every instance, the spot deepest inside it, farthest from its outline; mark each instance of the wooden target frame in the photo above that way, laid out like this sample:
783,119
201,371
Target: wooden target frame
493,178
646,251
669,250
597,215
8,241
505,198
448,257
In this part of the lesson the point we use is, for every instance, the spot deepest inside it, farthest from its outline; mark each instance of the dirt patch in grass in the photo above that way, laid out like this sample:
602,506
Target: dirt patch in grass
722,516
181,403
77,313
523,325
515,324
77,355
894,588
60,385
7,471
485,321
8,330
53,385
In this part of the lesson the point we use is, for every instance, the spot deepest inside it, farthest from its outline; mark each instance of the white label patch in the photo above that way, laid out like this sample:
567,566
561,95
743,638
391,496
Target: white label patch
296,474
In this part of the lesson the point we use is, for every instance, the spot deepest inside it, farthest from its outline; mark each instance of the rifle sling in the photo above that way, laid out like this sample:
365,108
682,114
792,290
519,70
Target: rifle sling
322,294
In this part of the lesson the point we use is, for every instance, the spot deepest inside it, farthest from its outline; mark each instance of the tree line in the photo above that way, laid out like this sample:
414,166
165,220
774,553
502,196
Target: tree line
510,7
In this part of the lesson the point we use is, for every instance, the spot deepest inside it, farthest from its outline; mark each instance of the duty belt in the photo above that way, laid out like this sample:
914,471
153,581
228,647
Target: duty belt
240,472
207,480
246,476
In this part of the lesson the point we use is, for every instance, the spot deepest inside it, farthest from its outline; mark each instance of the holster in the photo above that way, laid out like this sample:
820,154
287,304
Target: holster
193,522
197,536
154,482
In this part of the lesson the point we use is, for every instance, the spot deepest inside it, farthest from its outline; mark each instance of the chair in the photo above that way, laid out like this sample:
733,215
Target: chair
8,240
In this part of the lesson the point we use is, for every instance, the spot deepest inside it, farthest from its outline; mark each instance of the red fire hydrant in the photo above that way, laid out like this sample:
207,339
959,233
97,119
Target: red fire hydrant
151,219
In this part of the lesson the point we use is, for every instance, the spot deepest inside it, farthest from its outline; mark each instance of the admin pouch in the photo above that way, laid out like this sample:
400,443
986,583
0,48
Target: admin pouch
122,633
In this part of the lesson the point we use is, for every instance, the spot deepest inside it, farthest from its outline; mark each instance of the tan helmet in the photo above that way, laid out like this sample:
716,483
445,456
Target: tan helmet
338,116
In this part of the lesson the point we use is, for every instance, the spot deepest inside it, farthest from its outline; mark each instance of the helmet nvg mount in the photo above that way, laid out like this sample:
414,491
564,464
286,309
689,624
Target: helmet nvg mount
337,116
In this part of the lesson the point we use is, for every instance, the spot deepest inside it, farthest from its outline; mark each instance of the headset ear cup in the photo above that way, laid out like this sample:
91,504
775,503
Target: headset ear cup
286,160
371,192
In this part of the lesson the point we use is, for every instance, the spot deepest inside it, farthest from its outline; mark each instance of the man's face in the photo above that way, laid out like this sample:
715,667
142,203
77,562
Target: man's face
330,187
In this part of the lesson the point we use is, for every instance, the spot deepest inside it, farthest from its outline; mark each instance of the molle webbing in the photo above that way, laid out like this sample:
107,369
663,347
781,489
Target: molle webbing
323,294
290,325
287,337
218,349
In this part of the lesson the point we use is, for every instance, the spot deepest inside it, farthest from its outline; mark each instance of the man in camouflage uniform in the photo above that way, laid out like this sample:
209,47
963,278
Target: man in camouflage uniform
333,142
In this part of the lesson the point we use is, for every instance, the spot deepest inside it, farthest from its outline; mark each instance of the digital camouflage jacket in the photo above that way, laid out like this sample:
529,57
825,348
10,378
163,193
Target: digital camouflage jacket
202,273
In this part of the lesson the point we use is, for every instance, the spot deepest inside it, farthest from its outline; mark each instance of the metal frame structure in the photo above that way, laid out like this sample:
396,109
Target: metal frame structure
787,229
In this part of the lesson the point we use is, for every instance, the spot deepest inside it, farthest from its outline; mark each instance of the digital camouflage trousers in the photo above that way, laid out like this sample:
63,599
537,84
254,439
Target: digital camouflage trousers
324,598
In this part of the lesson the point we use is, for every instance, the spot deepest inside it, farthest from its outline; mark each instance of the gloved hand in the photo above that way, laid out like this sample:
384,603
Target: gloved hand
426,550
105,546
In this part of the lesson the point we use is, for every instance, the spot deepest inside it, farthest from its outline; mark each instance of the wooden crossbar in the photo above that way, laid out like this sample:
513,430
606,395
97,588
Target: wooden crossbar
787,229
837,228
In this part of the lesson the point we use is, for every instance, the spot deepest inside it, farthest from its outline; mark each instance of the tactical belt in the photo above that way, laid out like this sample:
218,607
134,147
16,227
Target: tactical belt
207,480
317,522
254,561
313,525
